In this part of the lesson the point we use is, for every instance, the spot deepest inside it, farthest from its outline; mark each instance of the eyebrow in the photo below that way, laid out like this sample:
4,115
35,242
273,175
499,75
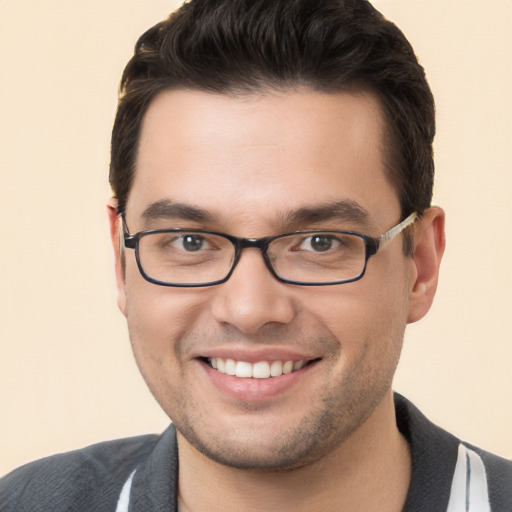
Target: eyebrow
345,210
167,209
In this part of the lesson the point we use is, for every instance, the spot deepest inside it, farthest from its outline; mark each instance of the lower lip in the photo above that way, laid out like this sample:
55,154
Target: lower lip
250,389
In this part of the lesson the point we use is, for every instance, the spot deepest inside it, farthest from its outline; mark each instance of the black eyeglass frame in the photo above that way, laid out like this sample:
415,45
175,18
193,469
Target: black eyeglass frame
371,244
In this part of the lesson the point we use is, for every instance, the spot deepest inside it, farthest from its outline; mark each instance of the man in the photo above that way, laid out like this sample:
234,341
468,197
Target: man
272,170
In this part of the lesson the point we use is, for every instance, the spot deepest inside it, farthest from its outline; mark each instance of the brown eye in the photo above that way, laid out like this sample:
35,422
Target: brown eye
321,243
192,243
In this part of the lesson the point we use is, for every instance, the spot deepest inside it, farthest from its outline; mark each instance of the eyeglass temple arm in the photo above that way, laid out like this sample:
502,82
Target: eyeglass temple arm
395,230
124,233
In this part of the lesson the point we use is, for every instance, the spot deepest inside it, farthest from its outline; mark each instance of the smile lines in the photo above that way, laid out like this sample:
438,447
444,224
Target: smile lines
259,370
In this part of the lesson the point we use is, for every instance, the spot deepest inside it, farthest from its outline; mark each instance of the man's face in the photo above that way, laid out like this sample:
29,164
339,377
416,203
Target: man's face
260,166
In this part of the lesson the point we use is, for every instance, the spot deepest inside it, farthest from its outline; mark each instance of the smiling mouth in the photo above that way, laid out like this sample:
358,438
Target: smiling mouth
259,370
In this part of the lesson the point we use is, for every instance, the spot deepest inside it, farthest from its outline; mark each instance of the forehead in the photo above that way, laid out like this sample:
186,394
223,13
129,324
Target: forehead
258,155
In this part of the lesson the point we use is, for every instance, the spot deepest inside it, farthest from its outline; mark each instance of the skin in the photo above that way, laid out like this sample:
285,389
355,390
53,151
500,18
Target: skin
327,438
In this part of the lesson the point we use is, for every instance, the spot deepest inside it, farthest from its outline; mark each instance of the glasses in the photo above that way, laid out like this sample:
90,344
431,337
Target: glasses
194,257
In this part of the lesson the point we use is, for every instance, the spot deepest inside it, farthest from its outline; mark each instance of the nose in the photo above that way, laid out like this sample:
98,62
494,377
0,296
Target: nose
252,297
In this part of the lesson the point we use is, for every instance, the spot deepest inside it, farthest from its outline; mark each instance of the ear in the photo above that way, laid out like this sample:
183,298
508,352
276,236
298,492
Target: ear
429,247
115,237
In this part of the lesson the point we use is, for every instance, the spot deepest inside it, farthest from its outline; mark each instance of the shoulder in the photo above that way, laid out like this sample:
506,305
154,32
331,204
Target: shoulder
86,479
498,473
447,470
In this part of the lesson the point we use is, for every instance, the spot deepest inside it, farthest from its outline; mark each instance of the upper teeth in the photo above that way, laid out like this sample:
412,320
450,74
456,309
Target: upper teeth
259,370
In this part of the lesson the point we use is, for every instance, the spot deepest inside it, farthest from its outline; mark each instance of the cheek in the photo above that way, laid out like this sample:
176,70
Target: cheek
158,317
368,312
357,304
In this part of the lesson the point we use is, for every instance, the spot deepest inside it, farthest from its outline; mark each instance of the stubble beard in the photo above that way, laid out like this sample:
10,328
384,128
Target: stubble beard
325,425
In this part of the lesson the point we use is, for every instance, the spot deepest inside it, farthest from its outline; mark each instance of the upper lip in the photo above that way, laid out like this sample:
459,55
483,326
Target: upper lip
254,356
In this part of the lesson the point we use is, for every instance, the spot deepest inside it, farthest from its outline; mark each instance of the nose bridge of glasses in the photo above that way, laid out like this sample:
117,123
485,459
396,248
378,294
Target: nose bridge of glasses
252,243
255,243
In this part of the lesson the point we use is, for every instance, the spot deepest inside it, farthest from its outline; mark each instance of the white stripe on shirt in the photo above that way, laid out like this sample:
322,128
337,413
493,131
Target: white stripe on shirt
124,498
469,491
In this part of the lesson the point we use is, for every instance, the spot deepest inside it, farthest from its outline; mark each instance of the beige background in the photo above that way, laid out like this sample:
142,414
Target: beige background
66,373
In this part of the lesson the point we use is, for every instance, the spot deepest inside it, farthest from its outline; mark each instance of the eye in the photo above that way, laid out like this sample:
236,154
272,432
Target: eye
322,243
319,243
192,242
183,243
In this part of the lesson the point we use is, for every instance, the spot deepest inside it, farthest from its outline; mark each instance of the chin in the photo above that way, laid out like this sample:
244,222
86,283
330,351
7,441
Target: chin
264,448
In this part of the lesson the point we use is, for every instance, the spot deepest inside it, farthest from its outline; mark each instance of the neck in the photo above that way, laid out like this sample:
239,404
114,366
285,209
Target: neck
369,471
